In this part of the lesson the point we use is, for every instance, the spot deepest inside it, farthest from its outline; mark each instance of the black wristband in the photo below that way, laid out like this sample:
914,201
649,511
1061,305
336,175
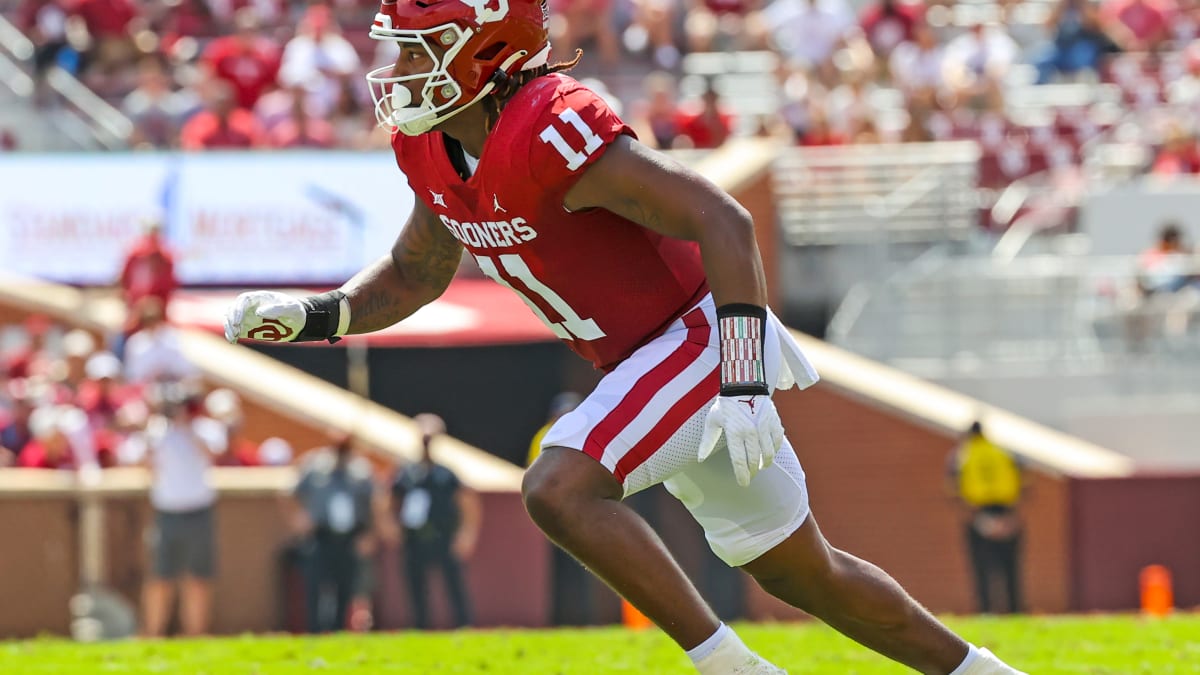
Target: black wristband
322,313
741,327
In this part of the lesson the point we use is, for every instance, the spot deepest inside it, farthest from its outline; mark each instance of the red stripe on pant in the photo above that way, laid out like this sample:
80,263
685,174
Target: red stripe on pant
649,384
679,414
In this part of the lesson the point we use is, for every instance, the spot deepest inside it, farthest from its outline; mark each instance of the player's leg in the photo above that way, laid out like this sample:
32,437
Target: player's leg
633,431
416,567
456,585
157,597
195,606
577,502
980,568
856,598
158,591
195,610
768,531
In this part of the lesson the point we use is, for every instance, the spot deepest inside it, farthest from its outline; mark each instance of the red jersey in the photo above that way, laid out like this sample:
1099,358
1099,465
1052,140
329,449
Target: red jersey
250,68
603,284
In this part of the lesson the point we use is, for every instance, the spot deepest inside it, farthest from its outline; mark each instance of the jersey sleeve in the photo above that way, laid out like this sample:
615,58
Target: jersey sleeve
570,132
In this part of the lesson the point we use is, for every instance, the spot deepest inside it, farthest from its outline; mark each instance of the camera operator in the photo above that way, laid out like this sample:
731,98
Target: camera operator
180,444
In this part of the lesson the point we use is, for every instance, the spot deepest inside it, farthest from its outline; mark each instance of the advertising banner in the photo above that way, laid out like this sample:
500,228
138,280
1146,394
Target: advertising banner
230,218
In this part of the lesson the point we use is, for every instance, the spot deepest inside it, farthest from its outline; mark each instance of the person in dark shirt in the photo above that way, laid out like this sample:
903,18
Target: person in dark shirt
439,520
335,499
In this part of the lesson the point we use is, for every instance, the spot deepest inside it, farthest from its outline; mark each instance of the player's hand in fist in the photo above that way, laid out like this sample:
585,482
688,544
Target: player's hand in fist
268,316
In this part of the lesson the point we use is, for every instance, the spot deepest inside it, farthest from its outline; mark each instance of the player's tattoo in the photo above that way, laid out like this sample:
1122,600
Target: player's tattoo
419,268
426,254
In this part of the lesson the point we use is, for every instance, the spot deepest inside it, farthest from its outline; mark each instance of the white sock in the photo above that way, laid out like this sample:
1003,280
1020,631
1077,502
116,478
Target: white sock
722,653
709,646
983,662
965,667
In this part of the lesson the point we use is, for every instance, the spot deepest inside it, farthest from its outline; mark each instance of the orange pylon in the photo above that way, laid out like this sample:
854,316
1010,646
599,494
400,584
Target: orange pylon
1157,596
632,618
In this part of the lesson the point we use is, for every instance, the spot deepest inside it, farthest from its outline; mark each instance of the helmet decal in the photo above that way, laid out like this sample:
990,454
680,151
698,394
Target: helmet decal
485,14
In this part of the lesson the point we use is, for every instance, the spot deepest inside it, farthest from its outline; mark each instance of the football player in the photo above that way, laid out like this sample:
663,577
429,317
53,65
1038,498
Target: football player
650,272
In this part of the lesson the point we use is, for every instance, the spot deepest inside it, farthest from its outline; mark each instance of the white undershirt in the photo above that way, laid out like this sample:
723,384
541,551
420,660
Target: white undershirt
472,162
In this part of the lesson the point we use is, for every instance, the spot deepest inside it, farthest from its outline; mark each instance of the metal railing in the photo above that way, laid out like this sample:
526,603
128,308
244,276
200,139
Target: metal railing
87,120
1046,311
915,192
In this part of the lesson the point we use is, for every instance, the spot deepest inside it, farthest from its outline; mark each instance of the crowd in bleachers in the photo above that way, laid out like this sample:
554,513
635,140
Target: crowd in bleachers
74,399
203,74
67,401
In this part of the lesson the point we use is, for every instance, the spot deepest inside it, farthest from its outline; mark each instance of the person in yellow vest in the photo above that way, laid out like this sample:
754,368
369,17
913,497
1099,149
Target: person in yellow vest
988,480
560,405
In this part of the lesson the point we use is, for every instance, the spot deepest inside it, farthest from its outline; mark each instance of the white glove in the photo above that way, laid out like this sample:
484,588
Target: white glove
753,432
267,316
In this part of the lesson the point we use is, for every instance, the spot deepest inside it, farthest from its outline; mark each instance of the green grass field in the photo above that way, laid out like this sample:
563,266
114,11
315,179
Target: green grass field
1098,645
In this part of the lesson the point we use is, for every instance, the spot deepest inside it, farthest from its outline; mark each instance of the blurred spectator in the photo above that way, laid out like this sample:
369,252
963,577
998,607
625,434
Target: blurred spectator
560,405
154,354
1167,266
333,512
988,481
440,520
221,124
724,25
652,28
888,23
185,20
156,110
179,444
704,124
301,129
918,65
248,60
275,451
1079,40
1178,155
812,31
819,132
44,22
60,440
224,406
148,271
317,60
977,61
1137,25
110,26
69,371
655,116
572,22
30,358
15,429
571,599
101,396
352,122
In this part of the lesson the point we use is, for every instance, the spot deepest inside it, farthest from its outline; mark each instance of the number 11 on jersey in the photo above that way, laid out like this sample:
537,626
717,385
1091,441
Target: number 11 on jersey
572,327
575,158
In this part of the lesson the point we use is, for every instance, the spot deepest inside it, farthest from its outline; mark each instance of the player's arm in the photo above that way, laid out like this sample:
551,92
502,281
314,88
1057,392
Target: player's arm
660,194
417,270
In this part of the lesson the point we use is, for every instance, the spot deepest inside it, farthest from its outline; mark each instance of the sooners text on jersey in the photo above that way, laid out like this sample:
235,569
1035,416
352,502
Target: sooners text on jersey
603,284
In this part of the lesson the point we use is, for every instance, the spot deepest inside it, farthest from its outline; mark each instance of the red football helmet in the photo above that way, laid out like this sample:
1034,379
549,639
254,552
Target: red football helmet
468,41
